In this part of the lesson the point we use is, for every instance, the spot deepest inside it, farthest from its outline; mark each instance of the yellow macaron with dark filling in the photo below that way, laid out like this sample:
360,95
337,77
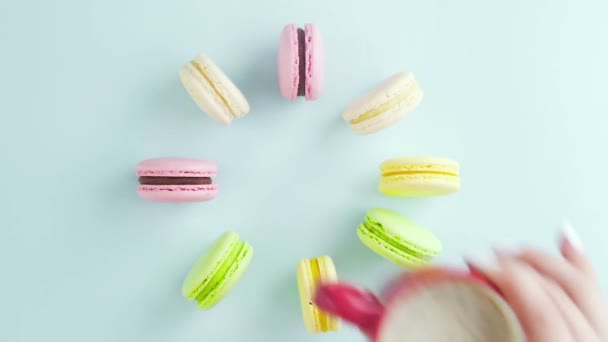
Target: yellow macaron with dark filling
419,177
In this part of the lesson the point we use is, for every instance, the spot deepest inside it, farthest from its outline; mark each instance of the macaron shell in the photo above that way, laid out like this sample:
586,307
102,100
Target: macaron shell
328,276
315,62
310,273
419,177
217,271
288,62
213,91
386,90
224,86
232,277
384,106
420,164
388,251
208,264
382,121
421,185
204,95
306,286
178,193
176,167
405,231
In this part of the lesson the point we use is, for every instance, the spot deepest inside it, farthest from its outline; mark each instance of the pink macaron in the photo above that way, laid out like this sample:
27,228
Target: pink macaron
301,62
176,180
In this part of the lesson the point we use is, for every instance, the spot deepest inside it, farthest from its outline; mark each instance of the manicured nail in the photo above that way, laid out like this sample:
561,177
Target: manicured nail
507,247
484,261
570,234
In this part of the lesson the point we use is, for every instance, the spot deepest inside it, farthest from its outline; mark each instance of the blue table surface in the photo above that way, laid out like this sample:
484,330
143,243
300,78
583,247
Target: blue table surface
514,90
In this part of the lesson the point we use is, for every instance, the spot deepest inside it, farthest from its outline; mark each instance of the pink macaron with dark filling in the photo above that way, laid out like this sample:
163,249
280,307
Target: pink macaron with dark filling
176,180
301,62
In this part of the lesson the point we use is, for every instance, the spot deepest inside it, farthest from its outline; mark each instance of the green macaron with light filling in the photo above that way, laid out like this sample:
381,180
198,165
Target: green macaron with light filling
217,271
398,238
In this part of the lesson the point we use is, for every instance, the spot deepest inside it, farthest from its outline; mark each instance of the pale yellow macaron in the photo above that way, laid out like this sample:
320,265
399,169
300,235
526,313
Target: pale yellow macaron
419,177
384,106
311,273
212,90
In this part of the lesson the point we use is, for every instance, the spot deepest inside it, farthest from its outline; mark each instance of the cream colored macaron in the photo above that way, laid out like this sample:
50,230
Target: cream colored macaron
384,106
213,91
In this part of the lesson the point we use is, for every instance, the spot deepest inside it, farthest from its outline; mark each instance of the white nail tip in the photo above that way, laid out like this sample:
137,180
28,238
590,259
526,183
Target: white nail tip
570,234
483,261
507,247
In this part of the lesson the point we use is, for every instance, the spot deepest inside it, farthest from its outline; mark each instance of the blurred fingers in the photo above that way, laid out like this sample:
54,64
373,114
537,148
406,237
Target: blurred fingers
522,289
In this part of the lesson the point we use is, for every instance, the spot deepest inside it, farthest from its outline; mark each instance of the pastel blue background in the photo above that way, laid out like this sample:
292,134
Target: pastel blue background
514,90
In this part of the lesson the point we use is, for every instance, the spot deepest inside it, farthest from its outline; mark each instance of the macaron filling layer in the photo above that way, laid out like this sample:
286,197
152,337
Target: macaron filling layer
202,72
403,173
376,229
382,108
302,63
320,319
208,285
147,180
311,273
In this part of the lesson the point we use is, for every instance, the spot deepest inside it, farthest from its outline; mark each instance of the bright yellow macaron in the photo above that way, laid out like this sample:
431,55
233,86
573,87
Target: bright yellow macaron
419,177
311,273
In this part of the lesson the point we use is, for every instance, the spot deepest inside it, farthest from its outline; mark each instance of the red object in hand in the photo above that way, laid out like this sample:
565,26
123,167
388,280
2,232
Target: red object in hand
354,305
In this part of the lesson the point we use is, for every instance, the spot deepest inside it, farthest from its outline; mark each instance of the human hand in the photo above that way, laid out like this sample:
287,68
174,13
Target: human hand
557,299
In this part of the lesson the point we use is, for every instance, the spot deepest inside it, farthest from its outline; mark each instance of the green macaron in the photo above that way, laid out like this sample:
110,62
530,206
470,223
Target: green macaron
398,238
217,271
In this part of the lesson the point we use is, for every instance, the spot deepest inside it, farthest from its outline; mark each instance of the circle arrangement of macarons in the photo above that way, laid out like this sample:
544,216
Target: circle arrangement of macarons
300,64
